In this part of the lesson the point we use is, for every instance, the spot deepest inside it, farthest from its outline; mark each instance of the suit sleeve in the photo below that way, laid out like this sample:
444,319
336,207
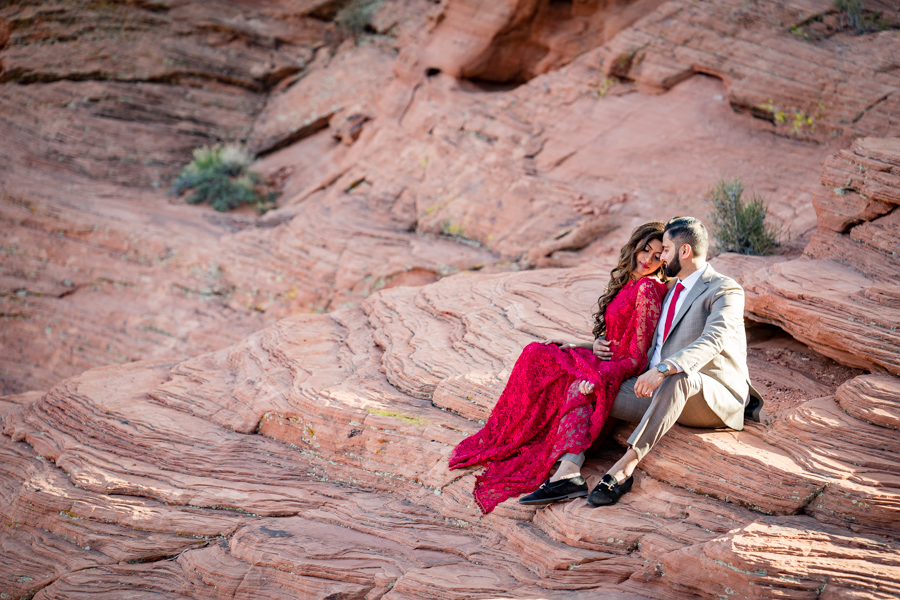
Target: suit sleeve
725,321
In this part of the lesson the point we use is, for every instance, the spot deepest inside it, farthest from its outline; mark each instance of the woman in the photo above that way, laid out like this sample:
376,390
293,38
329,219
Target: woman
559,394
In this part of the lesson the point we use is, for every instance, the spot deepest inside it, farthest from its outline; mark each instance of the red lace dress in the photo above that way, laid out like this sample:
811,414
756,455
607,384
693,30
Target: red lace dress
541,414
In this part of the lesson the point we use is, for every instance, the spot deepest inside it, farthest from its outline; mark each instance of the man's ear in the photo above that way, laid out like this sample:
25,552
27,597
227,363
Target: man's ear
685,252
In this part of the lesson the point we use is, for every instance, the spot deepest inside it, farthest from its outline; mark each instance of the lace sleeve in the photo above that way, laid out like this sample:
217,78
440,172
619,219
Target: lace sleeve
638,334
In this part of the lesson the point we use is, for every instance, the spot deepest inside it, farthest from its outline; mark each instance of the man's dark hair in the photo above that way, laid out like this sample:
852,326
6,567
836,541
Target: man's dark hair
690,231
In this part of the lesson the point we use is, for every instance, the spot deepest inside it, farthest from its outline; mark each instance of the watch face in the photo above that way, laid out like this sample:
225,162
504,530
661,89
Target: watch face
662,368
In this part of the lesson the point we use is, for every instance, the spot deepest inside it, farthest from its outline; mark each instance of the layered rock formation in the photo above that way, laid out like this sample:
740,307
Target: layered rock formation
841,297
552,173
512,41
259,448
790,63
89,140
287,457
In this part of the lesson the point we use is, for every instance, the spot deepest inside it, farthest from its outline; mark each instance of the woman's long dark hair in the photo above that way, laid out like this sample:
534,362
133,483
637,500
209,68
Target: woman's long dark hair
621,275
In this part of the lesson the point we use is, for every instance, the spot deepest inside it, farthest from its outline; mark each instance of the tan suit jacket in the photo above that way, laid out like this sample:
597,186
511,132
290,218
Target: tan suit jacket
707,338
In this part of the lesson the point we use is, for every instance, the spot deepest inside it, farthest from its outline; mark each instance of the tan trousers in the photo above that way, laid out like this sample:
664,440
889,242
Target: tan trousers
678,398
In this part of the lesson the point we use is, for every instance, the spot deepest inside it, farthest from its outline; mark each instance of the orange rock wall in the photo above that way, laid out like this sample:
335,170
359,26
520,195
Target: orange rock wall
514,40
242,406
841,297
247,460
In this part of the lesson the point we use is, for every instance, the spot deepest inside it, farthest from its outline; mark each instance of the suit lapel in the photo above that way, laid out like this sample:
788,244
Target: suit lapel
662,316
695,293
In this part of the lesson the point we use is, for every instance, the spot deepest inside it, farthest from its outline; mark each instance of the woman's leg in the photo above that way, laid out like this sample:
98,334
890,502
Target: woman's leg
574,428
569,466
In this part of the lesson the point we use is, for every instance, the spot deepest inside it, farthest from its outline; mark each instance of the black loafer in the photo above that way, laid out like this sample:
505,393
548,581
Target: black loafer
573,487
753,409
608,491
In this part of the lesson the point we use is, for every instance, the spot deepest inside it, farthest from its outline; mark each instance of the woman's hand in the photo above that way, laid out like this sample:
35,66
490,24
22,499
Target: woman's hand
602,349
585,387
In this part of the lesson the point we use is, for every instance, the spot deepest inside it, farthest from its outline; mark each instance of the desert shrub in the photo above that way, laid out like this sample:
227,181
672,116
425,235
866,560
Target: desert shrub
356,16
220,176
854,16
739,225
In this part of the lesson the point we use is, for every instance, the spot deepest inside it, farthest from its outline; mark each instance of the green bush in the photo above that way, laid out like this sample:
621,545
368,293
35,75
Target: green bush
852,15
738,225
220,176
356,16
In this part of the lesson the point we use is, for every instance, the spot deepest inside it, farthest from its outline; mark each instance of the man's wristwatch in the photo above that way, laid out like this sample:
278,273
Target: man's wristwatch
663,368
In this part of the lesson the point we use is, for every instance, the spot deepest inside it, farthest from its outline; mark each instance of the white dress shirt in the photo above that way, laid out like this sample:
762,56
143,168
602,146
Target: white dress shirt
688,283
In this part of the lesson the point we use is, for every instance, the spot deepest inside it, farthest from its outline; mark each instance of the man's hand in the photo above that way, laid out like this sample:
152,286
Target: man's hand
646,383
585,387
602,349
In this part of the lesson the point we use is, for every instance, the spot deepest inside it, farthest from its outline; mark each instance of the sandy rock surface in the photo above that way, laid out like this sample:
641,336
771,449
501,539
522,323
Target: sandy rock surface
785,62
100,265
206,406
841,296
259,451
390,176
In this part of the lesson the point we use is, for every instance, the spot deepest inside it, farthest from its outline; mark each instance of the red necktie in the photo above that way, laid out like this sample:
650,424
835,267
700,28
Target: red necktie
670,316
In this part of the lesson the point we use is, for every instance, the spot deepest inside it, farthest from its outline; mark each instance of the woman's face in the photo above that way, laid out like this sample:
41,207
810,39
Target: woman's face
648,258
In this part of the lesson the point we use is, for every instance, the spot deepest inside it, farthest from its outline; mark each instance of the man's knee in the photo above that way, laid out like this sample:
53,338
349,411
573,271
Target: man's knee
678,387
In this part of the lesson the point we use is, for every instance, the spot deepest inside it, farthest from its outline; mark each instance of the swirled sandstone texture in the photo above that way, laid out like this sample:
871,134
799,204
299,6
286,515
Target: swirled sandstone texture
841,297
100,266
310,459
395,169
281,393
792,64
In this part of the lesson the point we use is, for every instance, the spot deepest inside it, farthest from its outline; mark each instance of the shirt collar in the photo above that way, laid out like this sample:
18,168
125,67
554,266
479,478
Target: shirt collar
693,278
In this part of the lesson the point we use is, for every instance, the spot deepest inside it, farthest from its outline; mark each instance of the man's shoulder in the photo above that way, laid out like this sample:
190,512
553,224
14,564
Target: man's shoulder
719,281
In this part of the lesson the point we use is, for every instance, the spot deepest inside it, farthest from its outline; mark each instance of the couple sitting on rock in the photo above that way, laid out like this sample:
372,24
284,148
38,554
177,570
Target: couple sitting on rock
661,354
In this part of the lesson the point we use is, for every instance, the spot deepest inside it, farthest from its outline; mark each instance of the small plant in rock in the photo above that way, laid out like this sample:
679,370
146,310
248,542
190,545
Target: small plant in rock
356,16
853,16
220,176
604,87
738,225
799,32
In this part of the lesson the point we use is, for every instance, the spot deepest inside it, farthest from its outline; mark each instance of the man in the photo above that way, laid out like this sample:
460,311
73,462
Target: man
697,368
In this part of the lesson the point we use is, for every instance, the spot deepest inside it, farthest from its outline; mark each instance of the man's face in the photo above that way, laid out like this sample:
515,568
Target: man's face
669,256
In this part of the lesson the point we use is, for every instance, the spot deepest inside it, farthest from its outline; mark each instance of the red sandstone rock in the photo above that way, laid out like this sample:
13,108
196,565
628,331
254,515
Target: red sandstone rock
260,47
204,574
315,383
807,88
513,41
175,286
111,130
74,246
309,458
848,316
872,398
791,558
556,205
728,457
81,529
4,36
350,80
498,170
853,197
842,298
854,457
